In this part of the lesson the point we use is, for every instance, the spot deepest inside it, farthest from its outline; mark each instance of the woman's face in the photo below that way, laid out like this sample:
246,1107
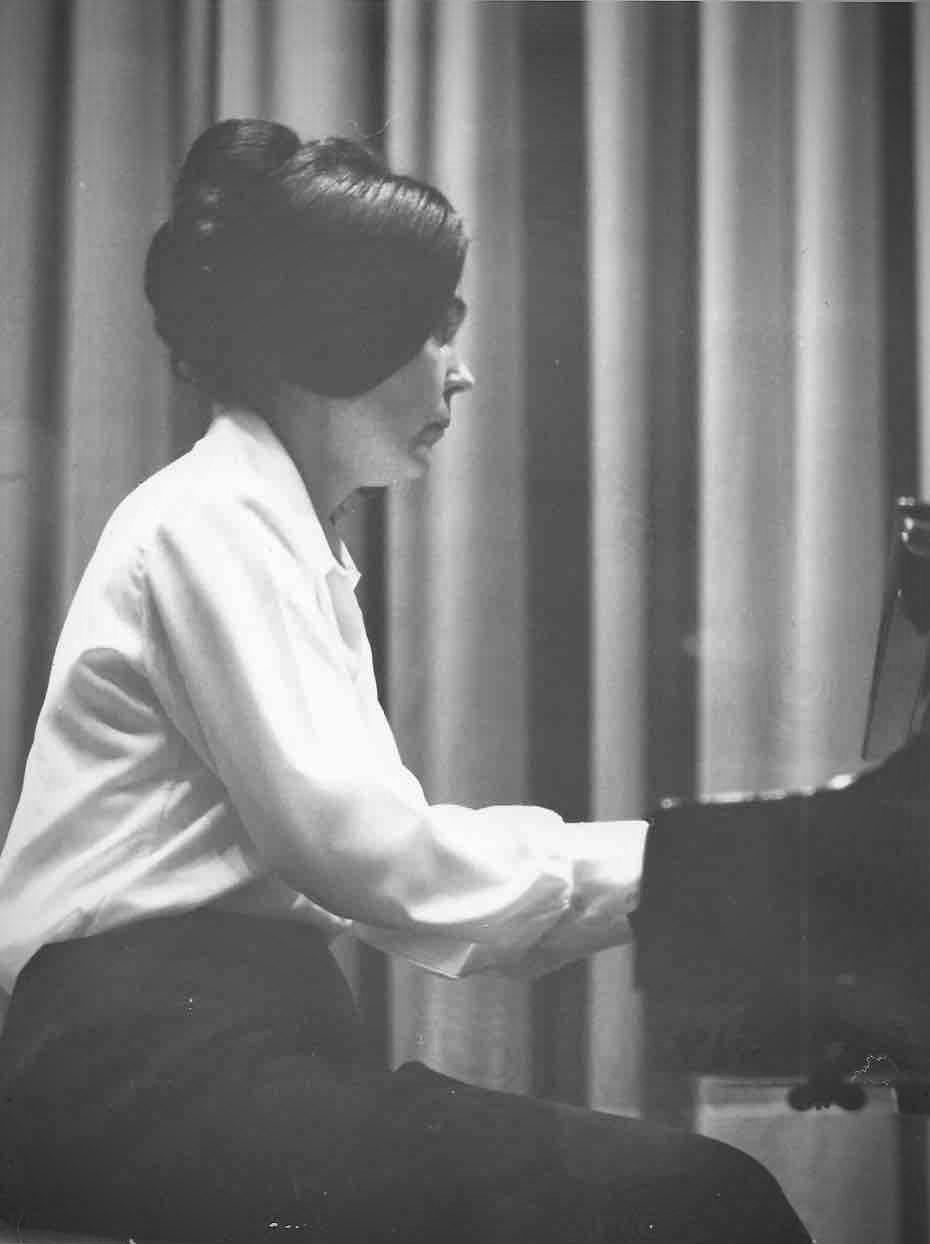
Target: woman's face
396,425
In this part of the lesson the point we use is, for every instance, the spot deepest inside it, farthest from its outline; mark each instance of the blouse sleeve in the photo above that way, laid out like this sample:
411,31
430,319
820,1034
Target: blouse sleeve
243,656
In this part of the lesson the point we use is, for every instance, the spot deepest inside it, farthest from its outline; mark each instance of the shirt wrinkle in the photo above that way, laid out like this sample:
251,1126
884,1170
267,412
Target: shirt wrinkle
172,782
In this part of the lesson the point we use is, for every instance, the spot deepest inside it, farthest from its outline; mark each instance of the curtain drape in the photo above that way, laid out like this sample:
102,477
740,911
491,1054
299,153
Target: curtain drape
648,559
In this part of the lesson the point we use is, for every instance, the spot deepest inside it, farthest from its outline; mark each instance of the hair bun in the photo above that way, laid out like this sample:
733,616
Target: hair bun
162,266
227,174
235,153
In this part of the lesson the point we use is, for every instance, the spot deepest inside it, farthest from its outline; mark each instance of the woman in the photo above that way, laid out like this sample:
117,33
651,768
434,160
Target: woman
213,794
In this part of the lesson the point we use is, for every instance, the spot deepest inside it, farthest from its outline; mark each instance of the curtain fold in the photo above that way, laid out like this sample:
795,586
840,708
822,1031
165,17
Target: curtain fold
114,416
840,501
747,394
921,105
457,543
617,110
31,60
648,559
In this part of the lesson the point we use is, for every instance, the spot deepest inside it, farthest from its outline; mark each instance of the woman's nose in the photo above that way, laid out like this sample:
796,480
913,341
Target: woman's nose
460,376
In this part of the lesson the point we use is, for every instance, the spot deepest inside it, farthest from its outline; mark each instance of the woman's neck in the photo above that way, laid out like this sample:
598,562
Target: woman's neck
306,424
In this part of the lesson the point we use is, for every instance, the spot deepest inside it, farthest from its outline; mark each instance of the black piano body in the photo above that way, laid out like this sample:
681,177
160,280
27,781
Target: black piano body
788,935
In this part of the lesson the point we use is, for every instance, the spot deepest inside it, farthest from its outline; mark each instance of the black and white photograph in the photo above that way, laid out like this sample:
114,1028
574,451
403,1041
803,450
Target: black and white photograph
464,621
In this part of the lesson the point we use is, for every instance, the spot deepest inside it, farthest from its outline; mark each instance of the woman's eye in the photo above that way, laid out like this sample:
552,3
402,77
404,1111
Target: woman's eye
451,322
444,332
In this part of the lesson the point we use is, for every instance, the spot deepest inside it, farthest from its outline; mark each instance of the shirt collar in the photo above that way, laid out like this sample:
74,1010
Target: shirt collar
346,566
252,440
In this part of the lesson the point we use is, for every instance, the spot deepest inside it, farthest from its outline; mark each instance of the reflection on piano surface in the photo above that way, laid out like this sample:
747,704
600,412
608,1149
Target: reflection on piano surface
789,934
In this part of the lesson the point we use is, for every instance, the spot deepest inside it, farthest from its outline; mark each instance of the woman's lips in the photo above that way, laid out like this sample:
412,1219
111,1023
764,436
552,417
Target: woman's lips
432,433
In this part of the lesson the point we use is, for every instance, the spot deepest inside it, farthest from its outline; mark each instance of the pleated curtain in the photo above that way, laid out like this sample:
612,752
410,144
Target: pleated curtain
648,558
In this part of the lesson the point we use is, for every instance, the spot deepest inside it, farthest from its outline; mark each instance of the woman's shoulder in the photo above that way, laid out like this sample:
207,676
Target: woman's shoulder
199,487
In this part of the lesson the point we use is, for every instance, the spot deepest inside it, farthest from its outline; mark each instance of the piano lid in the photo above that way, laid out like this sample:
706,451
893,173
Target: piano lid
901,671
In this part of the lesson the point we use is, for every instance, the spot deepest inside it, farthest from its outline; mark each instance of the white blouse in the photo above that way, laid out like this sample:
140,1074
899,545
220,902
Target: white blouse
211,734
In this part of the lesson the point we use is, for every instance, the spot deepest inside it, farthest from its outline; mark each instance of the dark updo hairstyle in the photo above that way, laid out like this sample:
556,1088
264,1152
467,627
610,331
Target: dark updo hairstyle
308,263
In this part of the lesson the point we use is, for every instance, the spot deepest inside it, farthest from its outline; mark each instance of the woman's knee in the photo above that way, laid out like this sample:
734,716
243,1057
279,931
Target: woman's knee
743,1199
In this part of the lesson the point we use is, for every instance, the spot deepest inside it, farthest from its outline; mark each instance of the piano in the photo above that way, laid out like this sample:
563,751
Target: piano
787,935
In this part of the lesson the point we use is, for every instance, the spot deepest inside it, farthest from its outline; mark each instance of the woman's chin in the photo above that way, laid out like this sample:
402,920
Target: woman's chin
420,460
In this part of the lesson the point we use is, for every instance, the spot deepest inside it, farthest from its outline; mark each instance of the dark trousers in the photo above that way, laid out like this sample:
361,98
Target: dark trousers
201,1078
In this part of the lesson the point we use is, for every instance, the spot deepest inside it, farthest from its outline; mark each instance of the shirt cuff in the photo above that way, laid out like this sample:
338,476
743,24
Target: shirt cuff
444,956
607,861
604,860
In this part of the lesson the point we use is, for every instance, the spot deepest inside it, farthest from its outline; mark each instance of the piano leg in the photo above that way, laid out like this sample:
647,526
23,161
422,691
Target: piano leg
914,1178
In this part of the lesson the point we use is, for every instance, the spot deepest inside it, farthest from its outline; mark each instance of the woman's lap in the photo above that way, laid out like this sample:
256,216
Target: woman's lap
238,1134
344,1154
